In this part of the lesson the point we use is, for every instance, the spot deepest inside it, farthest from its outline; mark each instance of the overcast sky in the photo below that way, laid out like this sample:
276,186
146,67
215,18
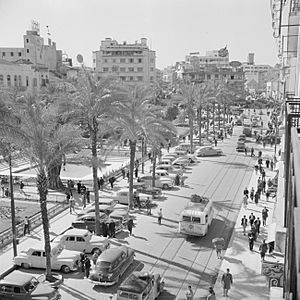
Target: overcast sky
174,28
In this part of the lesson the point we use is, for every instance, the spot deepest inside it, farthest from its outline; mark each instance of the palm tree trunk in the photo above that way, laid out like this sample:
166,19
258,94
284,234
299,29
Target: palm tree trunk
207,120
53,174
191,125
42,186
132,145
213,119
143,154
224,114
153,168
219,116
200,123
93,136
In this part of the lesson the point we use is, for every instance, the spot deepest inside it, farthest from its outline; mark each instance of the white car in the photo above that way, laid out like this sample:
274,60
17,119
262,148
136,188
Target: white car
170,156
122,196
164,174
81,239
208,151
181,162
162,167
103,209
160,182
61,259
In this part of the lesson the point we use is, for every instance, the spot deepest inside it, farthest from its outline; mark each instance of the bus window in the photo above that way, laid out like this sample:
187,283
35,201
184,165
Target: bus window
196,220
186,218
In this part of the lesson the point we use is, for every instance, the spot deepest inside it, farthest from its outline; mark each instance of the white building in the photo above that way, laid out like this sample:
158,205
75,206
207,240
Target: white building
131,63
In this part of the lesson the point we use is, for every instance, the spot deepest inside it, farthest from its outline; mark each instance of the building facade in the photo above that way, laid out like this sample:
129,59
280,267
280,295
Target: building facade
131,63
30,66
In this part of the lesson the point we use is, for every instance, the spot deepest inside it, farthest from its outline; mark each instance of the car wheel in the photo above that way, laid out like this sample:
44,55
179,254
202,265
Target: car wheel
65,269
25,265
165,186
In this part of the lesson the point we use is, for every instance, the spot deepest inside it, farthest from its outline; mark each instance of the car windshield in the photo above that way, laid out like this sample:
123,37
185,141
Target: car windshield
29,286
103,265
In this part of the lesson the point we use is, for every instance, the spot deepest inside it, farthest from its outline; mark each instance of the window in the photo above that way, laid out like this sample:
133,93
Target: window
36,253
8,80
94,60
232,77
17,290
27,41
11,54
130,69
80,239
140,60
122,60
27,81
208,76
27,50
131,60
1,79
196,220
34,82
152,60
131,78
122,69
20,53
123,78
105,69
151,69
3,53
16,80
70,238
113,60
151,78
216,76
140,69
140,78
105,60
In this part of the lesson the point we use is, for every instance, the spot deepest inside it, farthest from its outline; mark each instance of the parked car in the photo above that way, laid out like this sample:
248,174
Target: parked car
208,151
160,182
111,265
149,190
180,152
240,147
121,215
162,167
61,259
183,147
81,239
122,195
181,162
103,209
22,286
88,221
165,174
107,201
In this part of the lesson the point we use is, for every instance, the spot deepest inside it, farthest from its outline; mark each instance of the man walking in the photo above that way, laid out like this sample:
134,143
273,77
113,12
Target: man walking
264,214
87,267
72,204
257,223
130,225
21,187
252,152
263,248
251,219
160,215
227,282
26,226
189,293
251,240
244,224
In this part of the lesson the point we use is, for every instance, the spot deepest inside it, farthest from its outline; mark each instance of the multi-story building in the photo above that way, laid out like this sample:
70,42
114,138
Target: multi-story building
29,66
131,63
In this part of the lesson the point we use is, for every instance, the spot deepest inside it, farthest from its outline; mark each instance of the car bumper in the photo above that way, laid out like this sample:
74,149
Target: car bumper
102,283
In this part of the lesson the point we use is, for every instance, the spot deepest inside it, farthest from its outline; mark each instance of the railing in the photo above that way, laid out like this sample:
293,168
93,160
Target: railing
292,201
35,221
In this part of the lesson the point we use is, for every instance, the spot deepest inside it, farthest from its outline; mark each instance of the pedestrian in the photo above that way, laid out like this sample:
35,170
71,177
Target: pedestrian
256,196
245,201
104,229
21,187
227,282
251,240
136,172
263,174
84,201
259,154
246,151
256,169
251,219
127,175
264,215
252,194
82,259
111,180
216,142
252,152
87,267
263,248
246,192
244,224
267,195
26,226
264,143
101,183
78,187
148,206
267,163
72,205
160,215
130,225
3,190
177,180
257,224
112,228
219,247
189,293
123,173
82,189
211,295
68,196
271,165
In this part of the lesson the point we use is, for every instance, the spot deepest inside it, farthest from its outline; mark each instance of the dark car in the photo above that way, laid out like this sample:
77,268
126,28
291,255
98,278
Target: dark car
23,286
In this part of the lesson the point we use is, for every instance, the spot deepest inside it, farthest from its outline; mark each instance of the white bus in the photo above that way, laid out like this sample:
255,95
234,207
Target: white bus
196,218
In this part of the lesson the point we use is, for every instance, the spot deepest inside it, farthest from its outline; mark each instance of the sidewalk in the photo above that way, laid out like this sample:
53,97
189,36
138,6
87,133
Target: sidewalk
245,265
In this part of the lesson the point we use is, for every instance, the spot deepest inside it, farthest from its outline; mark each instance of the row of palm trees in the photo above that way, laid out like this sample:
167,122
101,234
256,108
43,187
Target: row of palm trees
44,127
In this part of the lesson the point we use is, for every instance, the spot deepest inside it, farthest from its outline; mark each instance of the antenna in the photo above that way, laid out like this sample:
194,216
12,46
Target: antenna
48,32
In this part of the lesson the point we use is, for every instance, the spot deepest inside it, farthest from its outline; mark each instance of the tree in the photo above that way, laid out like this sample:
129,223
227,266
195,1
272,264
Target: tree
172,112
137,118
41,140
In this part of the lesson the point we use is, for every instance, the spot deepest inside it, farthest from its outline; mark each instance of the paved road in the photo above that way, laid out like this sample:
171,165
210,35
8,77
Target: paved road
182,260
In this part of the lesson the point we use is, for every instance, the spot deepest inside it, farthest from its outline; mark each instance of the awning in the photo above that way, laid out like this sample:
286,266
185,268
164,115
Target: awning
271,233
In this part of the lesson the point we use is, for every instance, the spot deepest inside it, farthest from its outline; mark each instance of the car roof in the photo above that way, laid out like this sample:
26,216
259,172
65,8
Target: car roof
111,254
136,282
17,278
75,231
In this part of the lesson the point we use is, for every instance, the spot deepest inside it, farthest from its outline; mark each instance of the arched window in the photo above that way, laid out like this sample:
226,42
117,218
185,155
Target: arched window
20,80
15,80
8,80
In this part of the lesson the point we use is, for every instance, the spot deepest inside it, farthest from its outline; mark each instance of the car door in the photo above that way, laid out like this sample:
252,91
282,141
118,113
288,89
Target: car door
80,244
36,259
70,242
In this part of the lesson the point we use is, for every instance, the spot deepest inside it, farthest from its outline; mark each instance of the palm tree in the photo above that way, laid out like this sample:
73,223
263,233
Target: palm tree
137,118
92,108
42,141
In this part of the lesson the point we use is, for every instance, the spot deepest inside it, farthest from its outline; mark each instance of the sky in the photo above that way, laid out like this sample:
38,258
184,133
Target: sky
174,28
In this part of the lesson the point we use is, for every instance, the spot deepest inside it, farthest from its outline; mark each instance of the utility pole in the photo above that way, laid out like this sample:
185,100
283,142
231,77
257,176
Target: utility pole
12,207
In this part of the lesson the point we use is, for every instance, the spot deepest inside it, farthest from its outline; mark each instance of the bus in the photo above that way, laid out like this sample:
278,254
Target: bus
196,217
